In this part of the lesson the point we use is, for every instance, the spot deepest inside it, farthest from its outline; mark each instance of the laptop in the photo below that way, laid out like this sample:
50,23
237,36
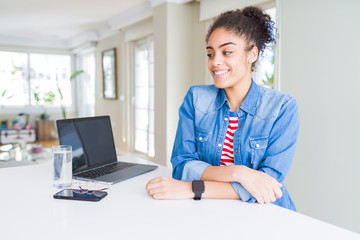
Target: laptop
93,150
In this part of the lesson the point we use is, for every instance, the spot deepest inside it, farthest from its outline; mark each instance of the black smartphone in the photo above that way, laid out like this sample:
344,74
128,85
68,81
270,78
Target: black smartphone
83,195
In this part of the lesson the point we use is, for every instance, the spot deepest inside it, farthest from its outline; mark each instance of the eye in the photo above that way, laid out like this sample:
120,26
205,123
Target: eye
227,52
210,55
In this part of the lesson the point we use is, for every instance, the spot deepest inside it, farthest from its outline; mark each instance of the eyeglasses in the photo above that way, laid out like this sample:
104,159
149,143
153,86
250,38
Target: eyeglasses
88,191
90,185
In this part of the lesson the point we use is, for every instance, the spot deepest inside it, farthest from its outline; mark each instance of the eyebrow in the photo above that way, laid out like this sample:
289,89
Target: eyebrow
222,45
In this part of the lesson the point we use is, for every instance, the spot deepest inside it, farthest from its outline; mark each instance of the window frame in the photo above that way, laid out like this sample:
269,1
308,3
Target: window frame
146,38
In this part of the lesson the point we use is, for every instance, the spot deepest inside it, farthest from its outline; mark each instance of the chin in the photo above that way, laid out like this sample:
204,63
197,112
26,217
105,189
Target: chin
220,84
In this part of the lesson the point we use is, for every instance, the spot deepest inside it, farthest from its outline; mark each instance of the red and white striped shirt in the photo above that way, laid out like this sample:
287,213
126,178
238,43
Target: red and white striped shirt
227,155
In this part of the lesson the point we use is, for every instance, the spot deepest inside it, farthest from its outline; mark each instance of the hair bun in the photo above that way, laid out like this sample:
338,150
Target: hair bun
255,14
263,21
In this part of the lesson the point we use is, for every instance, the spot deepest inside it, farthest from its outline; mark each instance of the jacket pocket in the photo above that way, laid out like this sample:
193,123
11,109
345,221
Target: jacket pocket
258,146
201,137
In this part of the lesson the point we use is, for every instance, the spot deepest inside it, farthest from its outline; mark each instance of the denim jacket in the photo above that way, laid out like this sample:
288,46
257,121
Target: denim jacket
265,140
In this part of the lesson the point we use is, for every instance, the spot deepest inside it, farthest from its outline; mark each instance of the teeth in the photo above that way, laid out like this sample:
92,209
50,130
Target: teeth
217,73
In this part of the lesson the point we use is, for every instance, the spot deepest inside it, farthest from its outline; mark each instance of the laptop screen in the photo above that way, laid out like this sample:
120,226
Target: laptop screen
91,140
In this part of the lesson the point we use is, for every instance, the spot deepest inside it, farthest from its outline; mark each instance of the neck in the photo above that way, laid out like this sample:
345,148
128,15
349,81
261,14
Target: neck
237,94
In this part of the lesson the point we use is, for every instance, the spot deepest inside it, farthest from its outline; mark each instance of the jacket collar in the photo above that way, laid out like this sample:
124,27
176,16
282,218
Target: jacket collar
249,103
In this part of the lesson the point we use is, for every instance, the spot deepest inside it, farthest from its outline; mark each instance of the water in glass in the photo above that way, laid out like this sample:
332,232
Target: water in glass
62,166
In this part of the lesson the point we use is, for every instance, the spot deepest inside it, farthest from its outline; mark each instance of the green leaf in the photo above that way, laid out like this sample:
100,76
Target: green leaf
4,92
76,74
61,96
49,98
51,94
36,96
63,111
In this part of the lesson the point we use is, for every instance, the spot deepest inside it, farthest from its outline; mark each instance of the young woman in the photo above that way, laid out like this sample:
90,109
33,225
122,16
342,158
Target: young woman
235,139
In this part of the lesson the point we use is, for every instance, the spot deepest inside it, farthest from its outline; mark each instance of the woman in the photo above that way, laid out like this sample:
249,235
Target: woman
235,139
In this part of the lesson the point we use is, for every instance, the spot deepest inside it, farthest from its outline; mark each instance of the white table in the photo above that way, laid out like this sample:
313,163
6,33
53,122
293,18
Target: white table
28,211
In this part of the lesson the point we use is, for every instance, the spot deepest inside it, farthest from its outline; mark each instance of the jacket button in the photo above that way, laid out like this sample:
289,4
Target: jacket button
226,119
200,138
237,151
219,145
240,125
257,145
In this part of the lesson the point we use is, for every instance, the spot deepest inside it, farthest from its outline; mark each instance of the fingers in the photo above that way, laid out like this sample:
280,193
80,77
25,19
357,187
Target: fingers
158,196
272,198
158,179
152,190
152,187
268,195
263,187
153,183
278,193
266,199
169,188
260,200
155,192
158,188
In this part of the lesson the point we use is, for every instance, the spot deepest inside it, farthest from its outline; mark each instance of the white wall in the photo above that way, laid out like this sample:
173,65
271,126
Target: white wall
160,77
177,35
320,67
115,108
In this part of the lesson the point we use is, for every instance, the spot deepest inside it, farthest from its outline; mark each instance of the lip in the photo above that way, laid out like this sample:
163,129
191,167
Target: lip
220,73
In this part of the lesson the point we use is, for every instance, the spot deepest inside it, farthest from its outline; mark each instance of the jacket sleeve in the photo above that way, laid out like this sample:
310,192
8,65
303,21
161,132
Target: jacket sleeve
185,159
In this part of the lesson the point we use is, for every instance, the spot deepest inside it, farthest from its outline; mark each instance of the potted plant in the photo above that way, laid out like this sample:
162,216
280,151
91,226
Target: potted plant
45,127
48,98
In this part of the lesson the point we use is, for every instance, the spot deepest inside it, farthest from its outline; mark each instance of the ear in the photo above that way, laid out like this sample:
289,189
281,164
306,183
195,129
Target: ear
253,55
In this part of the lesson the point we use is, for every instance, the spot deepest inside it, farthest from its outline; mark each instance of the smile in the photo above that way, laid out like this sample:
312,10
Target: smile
221,73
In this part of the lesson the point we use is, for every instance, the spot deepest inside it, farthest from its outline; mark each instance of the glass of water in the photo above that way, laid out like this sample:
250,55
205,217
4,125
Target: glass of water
62,156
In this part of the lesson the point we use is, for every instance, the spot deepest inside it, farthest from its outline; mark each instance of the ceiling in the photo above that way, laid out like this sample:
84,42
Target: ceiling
55,22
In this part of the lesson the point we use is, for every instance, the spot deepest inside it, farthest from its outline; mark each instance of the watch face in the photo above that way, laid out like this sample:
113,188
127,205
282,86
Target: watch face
198,186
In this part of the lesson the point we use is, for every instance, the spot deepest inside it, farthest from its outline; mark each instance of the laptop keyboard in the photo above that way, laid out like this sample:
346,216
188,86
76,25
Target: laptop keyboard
105,170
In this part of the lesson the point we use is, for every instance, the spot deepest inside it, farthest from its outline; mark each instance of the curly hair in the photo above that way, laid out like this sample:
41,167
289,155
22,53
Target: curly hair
251,23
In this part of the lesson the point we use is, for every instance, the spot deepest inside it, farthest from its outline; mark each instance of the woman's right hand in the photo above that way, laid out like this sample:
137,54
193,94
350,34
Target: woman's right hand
264,188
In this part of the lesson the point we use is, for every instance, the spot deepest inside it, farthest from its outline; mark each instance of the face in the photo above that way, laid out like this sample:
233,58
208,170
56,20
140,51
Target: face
228,61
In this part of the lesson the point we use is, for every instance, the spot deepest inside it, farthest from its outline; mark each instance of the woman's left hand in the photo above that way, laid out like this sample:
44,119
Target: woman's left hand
169,188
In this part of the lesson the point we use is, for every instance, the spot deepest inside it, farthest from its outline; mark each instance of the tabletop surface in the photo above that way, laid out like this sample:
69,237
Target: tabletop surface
28,211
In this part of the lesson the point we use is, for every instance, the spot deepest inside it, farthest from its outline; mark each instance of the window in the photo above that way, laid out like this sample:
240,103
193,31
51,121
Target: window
265,66
143,97
31,79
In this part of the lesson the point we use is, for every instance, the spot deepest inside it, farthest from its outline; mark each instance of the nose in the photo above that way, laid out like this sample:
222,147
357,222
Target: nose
217,60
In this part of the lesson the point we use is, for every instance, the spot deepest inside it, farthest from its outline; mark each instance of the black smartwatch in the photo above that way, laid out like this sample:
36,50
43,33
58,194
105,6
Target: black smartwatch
198,188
